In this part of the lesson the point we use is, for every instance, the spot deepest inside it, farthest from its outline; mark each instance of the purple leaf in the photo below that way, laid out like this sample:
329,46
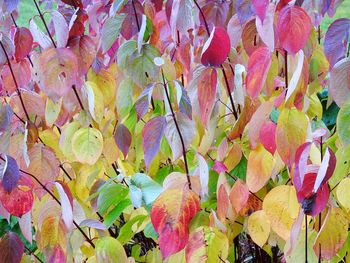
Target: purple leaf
336,40
152,134
11,248
5,117
11,174
260,7
143,101
244,10
93,223
123,139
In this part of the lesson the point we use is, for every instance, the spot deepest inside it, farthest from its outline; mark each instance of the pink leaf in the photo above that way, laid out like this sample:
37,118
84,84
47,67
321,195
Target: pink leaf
267,136
293,28
207,93
25,223
216,48
152,134
265,27
234,30
260,7
258,66
23,42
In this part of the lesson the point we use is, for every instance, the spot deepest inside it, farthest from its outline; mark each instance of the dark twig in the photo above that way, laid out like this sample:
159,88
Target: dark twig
30,252
306,238
14,80
135,14
203,16
44,22
78,98
229,93
178,130
286,68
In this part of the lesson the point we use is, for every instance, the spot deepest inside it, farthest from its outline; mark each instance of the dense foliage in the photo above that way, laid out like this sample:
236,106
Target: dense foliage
175,131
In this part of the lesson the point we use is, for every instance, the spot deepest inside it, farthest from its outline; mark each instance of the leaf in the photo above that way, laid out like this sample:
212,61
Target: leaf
10,175
267,136
296,74
260,8
258,66
171,214
25,223
133,11
333,233
187,129
222,203
143,101
216,48
59,72
94,97
239,195
65,142
293,28
206,244
20,200
38,36
290,133
52,111
87,145
67,209
61,28
93,223
203,175
342,191
149,188
115,213
131,227
110,31
11,247
339,82
264,24
152,134
336,39
207,93
43,164
5,117
123,139
260,168
23,42
282,209
259,227
181,17
108,249
112,195
184,101
343,124
244,10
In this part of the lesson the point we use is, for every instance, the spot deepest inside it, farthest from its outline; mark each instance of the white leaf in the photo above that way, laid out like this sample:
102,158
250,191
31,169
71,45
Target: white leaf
38,36
322,171
238,80
203,175
61,28
265,28
141,33
25,223
296,75
67,210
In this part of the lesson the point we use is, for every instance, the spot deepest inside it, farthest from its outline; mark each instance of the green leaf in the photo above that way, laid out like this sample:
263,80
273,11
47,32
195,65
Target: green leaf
109,249
112,195
116,212
127,231
110,31
149,188
343,123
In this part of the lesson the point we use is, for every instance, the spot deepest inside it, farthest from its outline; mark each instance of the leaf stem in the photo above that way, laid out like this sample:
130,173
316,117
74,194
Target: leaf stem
229,93
135,14
178,130
78,98
14,80
203,16
286,68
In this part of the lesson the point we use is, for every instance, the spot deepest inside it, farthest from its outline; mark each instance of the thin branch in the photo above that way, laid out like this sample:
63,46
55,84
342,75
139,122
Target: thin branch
229,93
286,68
305,238
178,130
135,14
78,98
203,16
14,80
32,253
44,22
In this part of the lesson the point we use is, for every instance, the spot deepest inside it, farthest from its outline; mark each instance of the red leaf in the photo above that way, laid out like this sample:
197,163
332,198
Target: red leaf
293,28
20,200
171,214
23,42
267,136
207,93
152,134
216,48
130,25
336,40
11,247
123,139
258,66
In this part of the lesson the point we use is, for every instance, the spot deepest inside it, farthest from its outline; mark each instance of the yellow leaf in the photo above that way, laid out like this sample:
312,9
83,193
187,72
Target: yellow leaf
259,227
333,234
259,169
282,208
87,145
343,193
52,110
94,98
